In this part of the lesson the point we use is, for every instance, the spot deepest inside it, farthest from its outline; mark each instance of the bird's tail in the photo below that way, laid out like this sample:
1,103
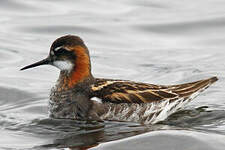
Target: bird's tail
186,92
188,89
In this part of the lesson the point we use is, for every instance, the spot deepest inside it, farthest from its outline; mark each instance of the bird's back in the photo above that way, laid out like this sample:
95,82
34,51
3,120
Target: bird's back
145,103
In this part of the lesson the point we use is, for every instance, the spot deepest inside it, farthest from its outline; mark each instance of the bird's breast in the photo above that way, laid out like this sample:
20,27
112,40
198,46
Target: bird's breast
68,104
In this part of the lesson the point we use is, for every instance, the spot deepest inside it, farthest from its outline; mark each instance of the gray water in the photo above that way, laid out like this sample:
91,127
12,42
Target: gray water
160,42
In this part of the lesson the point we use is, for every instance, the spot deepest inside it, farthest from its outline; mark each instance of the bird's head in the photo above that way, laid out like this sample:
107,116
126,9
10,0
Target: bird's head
70,55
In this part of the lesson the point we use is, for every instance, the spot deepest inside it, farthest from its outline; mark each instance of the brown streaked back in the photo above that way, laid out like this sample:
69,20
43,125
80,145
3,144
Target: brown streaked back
120,91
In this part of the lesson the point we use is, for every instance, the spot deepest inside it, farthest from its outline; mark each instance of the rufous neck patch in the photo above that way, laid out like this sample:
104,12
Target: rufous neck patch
82,67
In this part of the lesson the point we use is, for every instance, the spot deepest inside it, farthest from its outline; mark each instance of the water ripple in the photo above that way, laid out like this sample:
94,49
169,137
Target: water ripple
62,29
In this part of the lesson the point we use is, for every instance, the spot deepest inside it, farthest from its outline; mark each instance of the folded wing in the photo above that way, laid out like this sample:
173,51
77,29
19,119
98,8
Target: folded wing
120,91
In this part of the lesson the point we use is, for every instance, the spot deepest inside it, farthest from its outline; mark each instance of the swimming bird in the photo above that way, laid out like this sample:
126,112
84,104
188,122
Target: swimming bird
79,95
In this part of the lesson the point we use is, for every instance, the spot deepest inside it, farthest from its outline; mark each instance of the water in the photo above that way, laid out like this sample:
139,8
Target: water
161,42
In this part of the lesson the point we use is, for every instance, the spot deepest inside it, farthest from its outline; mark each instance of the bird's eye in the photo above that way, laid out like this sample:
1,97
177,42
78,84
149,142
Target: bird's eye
58,48
60,51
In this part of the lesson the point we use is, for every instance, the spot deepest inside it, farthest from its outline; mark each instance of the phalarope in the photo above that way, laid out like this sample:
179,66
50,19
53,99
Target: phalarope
79,95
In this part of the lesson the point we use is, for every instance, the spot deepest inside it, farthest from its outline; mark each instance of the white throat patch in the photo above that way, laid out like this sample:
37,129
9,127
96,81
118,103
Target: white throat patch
63,65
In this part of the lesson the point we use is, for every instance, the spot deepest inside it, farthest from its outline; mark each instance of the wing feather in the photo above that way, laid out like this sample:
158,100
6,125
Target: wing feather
122,91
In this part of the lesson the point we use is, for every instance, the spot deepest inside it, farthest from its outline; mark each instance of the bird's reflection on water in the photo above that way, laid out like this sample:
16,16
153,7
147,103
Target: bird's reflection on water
82,135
